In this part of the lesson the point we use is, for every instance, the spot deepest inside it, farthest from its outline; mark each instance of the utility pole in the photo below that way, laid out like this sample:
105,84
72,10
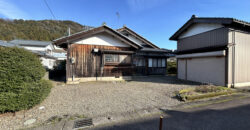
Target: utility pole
69,31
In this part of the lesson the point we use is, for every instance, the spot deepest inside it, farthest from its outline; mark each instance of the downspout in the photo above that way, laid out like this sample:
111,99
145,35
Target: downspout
233,59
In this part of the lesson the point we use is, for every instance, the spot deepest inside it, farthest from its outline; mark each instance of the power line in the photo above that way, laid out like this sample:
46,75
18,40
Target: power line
49,9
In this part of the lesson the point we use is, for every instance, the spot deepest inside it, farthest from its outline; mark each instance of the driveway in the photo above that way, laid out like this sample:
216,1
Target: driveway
229,115
93,99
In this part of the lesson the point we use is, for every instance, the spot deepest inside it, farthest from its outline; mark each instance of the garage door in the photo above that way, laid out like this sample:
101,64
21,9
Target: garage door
204,70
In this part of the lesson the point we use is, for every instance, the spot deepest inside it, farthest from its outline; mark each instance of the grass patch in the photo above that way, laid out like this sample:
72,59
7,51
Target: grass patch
201,92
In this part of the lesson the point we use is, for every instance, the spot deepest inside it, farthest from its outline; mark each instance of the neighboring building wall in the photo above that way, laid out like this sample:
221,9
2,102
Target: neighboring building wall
216,37
48,62
204,70
181,69
242,58
200,28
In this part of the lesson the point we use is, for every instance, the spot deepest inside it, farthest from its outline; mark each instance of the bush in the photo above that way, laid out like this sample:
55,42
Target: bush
21,84
171,67
18,66
30,94
202,92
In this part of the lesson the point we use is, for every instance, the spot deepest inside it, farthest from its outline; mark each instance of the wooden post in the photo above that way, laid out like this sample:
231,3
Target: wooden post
160,126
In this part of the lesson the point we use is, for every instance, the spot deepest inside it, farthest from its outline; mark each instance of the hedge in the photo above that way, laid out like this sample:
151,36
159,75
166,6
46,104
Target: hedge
30,94
21,84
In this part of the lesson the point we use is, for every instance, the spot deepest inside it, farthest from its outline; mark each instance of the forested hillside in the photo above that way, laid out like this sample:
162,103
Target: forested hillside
44,30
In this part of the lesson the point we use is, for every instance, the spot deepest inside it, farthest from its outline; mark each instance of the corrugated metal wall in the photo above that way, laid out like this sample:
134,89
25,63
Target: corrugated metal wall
205,70
215,37
181,69
242,57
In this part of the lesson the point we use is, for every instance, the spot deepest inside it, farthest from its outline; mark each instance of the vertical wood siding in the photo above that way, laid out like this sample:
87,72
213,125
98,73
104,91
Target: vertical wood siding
215,37
87,63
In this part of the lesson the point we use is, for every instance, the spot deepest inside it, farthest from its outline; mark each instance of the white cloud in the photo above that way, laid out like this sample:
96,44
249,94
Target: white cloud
11,11
139,5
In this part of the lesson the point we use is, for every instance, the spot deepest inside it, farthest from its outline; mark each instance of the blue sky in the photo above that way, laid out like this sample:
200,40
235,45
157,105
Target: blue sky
156,20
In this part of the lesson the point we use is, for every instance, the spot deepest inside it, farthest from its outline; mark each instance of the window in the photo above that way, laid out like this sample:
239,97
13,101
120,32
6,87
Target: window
150,62
159,63
163,62
116,58
156,62
139,61
111,58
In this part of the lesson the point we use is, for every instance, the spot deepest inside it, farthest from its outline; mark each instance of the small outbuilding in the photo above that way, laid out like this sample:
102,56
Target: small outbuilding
214,50
103,53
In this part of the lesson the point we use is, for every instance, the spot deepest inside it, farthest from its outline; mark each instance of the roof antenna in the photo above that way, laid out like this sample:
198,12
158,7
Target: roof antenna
104,23
118,17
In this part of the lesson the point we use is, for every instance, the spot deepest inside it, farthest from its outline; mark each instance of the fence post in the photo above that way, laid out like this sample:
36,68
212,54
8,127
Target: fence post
160,127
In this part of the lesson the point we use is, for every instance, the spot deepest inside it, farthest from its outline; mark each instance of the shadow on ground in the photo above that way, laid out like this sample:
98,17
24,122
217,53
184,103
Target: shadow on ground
235,118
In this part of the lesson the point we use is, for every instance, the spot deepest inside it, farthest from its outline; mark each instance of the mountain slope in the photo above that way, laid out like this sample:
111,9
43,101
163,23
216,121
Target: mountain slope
44,30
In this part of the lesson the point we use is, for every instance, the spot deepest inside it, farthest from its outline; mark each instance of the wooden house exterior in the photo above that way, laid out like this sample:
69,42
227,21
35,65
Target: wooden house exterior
106,54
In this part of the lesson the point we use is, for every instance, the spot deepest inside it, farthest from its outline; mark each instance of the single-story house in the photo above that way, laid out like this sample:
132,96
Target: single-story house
48,53
103,53
214,50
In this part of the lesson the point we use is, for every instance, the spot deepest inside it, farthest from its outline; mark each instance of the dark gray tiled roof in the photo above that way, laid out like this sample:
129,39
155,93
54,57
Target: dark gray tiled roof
153,50
30,43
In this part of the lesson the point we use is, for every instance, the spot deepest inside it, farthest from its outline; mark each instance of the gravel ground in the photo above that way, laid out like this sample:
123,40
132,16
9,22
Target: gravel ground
94,99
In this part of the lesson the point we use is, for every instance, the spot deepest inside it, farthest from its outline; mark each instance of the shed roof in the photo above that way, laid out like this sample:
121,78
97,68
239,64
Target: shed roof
217,20
30,43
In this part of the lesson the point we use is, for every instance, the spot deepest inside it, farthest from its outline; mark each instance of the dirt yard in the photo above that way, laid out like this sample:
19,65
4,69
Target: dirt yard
94,99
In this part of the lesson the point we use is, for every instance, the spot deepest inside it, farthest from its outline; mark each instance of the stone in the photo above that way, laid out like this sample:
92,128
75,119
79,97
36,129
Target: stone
30,121
41,108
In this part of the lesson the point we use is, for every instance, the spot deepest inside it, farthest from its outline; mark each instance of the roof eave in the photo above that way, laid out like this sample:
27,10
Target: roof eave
68,39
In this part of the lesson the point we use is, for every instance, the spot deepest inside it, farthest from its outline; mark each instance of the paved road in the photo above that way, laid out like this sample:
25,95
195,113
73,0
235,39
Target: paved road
229,115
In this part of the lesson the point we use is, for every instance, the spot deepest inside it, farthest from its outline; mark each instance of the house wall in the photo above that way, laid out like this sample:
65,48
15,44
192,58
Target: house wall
199,28
242,58
217,37
102,39
48,62
87,63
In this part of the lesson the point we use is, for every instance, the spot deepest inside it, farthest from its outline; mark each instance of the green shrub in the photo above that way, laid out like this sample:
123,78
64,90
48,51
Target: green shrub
18,66
171,67
21,84
204,91
30,94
